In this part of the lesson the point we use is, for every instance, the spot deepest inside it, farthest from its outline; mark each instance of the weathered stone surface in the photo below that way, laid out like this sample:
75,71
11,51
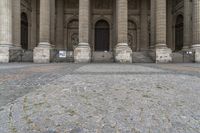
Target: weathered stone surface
41,55
82,53
4,54
123,54
197,55
163,55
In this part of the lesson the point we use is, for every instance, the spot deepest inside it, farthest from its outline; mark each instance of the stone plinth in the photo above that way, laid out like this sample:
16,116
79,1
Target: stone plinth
4,54
123,54
196,49
41,54
163,55
82,53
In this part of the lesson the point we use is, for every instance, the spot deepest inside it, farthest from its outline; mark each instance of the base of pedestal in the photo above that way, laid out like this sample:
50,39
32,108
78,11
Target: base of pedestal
4,54
163,55
41,55
82,53
196,49
123,53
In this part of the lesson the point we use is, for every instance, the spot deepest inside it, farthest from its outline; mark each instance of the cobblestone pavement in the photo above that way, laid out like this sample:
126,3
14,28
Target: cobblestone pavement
100,98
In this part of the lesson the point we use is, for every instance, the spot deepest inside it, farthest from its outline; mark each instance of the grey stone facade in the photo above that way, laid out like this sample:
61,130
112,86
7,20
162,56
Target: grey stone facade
163,27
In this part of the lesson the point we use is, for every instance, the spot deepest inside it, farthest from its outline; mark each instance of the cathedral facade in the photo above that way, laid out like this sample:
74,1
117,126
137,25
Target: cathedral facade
82,31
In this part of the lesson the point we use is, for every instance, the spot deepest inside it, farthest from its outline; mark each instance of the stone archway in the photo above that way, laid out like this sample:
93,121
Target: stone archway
102,36
24,31
132,35
72,35
179,33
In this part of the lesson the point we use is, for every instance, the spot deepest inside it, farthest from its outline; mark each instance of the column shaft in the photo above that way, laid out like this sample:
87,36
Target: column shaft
187,24
45,21
161,23
153,23
122,21
196,29
196,22
60,24
6,22
84,10
17,23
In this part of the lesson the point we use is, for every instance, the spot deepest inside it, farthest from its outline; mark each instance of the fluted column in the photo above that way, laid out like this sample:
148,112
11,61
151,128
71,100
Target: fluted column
16,23
187,24
163,54
5,29
42,52
45,23
196,29
123,54
153,6
82,53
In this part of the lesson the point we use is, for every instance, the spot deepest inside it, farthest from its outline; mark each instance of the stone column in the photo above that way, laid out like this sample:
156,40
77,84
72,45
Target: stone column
123,53
163,54
42,52
60,24
152,24
6,41
144,43
82,53
16,23
196,29
187,25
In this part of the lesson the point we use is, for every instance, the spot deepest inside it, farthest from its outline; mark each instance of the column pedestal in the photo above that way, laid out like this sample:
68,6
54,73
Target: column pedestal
123,53
163,55
4,54
82,53
196,49
41,54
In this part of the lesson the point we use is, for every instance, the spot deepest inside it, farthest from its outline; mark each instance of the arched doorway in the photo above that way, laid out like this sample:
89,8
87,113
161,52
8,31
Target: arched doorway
102,36
72,35
132,35
179,33
24,31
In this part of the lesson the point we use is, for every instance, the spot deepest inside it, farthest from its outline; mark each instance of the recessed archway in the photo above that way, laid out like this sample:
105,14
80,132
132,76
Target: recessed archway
102,36
179,33
24,31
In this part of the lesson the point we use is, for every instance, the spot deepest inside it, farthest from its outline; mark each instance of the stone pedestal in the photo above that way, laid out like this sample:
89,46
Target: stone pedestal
41,54
82,53
196,49
163,55
4,54
123,54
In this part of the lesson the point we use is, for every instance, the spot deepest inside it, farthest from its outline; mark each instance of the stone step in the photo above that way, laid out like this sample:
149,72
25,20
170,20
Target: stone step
102,57
182,57
142,57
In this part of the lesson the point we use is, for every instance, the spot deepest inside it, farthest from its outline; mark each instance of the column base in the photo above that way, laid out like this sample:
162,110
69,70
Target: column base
41,54
123,53
4,54
197,52
163,55
82,53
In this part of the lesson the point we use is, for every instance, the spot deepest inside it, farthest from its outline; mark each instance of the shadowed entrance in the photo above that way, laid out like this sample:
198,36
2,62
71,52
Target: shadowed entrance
102,36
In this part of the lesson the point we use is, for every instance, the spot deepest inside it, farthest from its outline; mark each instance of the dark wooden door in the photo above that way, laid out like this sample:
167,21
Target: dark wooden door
102,36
